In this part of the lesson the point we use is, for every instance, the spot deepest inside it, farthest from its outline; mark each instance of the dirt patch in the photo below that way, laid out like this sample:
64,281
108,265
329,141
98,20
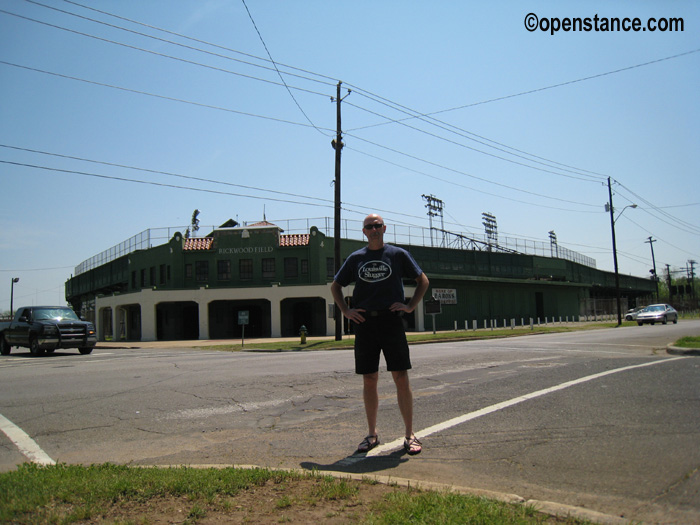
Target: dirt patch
299,501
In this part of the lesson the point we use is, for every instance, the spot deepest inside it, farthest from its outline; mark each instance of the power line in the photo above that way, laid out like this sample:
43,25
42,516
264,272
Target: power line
218,55
300,124
672,220
155,95
485,152
332,81
152,183
278,71
163,55
464,186
121,88
328,80
278,120
288,89
170,174
330,202
434,164
374,97
413,114
561,84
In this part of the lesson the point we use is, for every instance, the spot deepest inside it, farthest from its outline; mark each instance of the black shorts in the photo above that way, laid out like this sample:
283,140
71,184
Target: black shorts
385,333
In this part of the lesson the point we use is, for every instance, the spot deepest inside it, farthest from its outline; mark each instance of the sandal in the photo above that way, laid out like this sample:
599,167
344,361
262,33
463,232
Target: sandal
412,446
368,445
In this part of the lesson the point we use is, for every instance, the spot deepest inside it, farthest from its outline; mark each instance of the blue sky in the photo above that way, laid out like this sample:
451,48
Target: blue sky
525,125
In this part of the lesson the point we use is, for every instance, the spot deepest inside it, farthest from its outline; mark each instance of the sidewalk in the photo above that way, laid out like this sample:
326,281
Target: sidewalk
249,343
196,343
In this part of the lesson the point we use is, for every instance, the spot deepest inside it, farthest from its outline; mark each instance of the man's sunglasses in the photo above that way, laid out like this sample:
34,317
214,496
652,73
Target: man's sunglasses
375,226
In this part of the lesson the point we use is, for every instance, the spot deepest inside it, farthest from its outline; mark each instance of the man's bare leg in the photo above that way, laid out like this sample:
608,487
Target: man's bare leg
405,399
371,399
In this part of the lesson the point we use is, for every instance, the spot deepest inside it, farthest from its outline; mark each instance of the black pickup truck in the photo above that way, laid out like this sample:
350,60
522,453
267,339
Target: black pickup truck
43,329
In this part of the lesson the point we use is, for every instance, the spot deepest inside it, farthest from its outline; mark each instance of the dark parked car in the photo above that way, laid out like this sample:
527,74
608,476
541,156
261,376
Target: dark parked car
657,313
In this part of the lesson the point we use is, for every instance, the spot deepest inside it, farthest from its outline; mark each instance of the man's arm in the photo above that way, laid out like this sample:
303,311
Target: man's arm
422,284
351,313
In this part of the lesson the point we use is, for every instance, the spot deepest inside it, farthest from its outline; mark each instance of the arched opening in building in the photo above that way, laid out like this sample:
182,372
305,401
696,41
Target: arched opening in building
223,319
310,312
177,321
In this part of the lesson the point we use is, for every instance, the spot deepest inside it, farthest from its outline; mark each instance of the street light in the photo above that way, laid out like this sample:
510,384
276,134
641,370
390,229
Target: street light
12,296
609,207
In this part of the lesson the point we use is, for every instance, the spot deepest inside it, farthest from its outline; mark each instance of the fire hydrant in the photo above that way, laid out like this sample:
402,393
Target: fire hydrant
302,332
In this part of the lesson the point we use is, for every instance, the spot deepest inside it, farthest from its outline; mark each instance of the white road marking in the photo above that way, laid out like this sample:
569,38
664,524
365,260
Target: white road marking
398,443
26,445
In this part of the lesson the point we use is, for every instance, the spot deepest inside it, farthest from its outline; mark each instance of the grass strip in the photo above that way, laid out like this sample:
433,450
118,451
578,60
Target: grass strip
108,493
688,342
415,338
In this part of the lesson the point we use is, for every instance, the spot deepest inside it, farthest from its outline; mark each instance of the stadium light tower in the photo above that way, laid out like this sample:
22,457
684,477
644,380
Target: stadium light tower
491,229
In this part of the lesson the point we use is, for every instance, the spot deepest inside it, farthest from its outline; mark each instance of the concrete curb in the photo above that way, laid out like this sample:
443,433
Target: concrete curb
677,350
546,507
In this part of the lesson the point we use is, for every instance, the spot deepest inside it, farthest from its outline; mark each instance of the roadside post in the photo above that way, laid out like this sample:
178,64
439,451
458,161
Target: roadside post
243,318
433,307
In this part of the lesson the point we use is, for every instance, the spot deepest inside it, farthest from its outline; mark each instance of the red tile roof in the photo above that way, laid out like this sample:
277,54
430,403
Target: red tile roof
301,239
198,244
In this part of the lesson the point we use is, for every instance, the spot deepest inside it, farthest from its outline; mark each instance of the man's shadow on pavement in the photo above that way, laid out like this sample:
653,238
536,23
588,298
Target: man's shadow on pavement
360,463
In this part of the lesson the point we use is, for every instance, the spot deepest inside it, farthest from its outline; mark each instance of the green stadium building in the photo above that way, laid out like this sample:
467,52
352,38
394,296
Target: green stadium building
191,288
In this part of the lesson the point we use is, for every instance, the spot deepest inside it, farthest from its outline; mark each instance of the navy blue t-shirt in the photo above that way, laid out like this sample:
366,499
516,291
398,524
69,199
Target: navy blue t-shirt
377,276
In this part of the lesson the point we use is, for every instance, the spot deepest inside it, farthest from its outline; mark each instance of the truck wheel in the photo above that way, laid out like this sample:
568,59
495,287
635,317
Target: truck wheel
5,347
85,351
640,323
34,347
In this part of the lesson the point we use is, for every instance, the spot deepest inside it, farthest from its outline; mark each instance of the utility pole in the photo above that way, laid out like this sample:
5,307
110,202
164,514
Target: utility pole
691,276
668,280
337,144
653,261
614,245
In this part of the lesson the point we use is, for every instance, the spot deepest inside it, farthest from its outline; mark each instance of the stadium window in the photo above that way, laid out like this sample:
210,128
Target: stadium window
245,269
223,272
291,267
268,268
201,270
330,267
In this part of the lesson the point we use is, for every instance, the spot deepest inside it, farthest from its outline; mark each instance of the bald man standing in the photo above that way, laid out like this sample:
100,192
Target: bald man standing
378,303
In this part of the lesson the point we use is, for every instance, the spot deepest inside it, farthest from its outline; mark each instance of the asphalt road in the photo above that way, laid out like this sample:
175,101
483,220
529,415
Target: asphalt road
604,420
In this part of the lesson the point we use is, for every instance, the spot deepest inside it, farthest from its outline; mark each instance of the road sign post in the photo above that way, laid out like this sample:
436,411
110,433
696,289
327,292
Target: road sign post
433,307
243,318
